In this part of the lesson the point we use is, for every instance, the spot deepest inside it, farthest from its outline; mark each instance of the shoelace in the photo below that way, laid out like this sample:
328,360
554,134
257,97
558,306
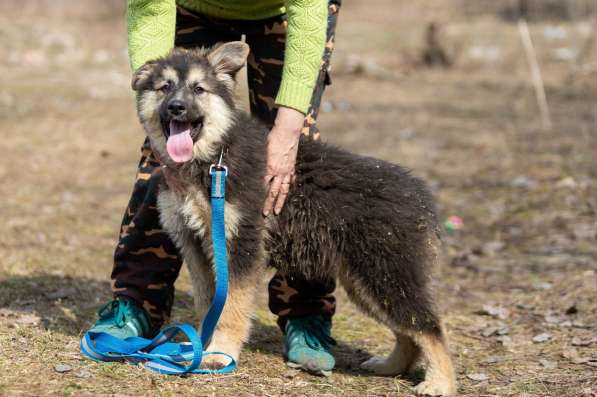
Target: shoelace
117,309
315,330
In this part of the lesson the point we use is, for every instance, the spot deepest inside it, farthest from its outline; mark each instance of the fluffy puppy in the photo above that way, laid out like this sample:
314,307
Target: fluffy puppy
365,221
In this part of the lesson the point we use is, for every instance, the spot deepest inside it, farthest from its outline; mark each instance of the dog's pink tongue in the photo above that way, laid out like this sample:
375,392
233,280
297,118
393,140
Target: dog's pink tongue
180,143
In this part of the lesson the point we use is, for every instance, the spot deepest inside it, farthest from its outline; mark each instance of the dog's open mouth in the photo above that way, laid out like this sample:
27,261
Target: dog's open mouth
181,135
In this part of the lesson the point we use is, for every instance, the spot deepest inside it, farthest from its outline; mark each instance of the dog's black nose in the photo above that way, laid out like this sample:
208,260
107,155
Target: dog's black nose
177,107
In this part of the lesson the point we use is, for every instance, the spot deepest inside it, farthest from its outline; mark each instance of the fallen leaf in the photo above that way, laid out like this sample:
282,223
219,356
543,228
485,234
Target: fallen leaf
83,374
479,377
592,362
491,248
542,286
553,319
28,319
61,293
62,368
548,364
543,337
290,373
567,182
572,355
576,341
505,340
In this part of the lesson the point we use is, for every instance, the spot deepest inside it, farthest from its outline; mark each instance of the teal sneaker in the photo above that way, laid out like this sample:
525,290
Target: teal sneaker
123,318
308,342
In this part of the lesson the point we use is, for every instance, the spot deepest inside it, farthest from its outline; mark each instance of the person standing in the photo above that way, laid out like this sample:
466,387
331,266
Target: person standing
288,69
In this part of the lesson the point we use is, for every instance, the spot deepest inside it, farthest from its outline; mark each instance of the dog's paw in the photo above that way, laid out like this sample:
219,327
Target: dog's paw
215,361
381,366
435,388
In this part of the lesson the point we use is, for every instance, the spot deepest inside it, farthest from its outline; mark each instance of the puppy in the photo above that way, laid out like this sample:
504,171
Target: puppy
367,222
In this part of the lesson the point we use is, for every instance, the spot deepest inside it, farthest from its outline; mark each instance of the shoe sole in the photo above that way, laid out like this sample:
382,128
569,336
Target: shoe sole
319,372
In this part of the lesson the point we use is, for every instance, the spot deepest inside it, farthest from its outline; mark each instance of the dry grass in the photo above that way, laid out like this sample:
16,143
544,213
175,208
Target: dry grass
527,197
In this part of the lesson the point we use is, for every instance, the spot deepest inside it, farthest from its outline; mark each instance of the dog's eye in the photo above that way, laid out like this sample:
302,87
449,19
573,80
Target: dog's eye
198,90
166,86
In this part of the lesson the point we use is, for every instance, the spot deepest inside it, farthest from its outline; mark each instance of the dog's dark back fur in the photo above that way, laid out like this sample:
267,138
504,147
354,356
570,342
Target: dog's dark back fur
363,215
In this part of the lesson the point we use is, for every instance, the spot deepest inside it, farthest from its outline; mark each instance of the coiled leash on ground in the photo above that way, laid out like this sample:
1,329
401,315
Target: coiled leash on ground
160,354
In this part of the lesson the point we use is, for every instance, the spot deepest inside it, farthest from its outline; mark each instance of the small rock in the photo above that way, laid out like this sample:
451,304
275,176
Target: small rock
505,330
62,368
505,340
494,311
543,337
487,332
479,377
495,359
548,364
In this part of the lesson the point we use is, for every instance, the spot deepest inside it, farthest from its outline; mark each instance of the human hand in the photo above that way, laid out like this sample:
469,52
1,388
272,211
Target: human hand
282,148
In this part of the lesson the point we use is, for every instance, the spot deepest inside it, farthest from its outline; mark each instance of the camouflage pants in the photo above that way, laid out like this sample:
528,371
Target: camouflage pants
146,262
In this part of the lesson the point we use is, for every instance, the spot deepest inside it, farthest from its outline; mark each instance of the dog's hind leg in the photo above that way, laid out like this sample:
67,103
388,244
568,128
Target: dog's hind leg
405,351
439,376
399,361
417,329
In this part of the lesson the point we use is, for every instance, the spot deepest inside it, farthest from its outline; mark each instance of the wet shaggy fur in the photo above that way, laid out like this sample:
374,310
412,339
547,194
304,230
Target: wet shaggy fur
367,222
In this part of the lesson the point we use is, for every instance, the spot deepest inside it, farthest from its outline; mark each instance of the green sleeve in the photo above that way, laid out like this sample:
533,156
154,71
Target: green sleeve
305,43
151,28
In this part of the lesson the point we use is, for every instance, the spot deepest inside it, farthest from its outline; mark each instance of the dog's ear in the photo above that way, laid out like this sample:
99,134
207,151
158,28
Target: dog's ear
229,58
143,76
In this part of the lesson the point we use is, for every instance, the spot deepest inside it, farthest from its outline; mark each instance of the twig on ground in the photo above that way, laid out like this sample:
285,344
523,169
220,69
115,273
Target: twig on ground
587,46
527,43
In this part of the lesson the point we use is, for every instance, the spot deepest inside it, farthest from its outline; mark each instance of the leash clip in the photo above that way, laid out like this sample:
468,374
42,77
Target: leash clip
219,166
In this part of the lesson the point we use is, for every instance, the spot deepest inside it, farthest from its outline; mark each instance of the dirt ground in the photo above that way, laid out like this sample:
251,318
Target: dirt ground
518,287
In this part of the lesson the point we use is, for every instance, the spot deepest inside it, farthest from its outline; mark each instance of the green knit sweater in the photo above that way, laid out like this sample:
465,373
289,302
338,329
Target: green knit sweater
151,29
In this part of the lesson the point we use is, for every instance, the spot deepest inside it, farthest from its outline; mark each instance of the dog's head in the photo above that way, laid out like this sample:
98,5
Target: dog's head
186,100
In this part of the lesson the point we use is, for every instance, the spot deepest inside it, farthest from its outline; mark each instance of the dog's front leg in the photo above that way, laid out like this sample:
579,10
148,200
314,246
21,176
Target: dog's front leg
202,278
234,325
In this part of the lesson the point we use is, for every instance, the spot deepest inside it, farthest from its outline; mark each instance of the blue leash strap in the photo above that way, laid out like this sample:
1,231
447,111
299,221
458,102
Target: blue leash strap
160,354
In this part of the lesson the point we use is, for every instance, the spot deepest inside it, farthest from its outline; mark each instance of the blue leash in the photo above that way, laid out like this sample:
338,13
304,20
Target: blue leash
160,354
